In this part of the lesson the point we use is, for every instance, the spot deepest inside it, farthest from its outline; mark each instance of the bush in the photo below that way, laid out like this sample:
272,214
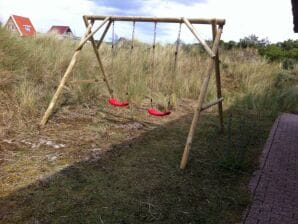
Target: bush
286,52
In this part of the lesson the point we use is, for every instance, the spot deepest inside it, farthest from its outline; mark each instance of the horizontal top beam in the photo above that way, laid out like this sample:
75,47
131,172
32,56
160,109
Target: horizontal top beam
158,19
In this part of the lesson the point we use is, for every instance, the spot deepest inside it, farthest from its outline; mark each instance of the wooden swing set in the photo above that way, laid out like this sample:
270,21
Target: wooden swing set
107,21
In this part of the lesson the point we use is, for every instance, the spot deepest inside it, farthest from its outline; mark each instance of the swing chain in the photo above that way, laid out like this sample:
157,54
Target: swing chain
154,36
133,35
175,62
153,61
130,58
113,33
113,50
177,47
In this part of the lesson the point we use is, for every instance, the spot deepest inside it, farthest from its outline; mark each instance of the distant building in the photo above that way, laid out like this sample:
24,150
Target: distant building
63,31
20,25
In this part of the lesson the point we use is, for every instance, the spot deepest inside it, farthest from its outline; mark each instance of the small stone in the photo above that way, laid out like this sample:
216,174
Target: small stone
53,158
9,141
44,181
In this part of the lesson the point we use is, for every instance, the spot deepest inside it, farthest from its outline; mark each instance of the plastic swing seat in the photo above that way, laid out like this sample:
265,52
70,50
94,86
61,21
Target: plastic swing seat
117,103
154,112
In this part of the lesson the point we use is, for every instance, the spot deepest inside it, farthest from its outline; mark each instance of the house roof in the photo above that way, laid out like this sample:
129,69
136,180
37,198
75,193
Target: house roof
24,25
60,29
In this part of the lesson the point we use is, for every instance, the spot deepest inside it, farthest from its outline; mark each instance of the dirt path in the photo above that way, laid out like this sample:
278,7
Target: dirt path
74,134
275,185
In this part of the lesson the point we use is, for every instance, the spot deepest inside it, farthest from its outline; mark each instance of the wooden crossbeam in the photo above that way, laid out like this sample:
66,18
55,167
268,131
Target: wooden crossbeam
157,19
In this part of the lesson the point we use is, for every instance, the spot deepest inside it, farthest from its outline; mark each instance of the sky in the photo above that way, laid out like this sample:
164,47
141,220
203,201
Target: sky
270,19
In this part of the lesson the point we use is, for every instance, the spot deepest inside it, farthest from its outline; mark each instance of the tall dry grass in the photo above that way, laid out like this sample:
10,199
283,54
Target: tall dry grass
259,85
37,64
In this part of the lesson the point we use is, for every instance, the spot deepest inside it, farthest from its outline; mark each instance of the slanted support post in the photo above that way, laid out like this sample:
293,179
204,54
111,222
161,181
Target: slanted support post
218,81
70,67
99,60
198,107
92,33
104,34
198,37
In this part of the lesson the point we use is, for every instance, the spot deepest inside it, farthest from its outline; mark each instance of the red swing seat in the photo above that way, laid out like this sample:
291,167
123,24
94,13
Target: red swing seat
116,103
154,112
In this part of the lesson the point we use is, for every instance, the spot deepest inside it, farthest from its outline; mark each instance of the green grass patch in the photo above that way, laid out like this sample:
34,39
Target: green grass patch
139,181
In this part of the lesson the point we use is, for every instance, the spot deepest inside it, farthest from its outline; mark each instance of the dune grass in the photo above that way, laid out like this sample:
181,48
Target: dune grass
36,65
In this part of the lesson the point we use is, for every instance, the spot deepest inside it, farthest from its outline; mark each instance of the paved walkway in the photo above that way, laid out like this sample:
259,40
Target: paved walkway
275,186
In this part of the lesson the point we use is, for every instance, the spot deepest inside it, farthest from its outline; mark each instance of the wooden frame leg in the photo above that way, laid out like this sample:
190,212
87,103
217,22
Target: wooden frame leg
218,81
201,99
99,61
58,92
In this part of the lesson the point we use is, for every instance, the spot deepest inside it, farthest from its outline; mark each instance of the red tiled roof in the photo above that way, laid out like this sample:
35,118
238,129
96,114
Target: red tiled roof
24,25
60,29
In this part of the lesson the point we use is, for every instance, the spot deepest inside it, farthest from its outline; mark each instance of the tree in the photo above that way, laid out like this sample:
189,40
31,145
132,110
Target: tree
289,44
272,52
229,45
285,52
253,41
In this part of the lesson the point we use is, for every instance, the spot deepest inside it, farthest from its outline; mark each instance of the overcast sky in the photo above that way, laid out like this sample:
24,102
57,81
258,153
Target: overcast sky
270,19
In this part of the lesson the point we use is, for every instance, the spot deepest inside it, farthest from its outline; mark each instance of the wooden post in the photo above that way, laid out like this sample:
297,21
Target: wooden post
205,107
201,98
99,61
63,80
218,82
199,38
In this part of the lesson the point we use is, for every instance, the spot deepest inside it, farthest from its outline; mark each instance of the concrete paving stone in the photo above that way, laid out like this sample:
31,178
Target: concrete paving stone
275,186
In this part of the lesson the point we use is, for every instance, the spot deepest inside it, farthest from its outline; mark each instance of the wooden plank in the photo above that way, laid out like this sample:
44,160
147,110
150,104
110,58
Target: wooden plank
199,38
58,92
85,81
218,81
207,106
198,108
158,19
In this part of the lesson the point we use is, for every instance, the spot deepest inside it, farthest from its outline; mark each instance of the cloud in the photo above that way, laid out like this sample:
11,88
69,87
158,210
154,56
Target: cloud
121,7
266,18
